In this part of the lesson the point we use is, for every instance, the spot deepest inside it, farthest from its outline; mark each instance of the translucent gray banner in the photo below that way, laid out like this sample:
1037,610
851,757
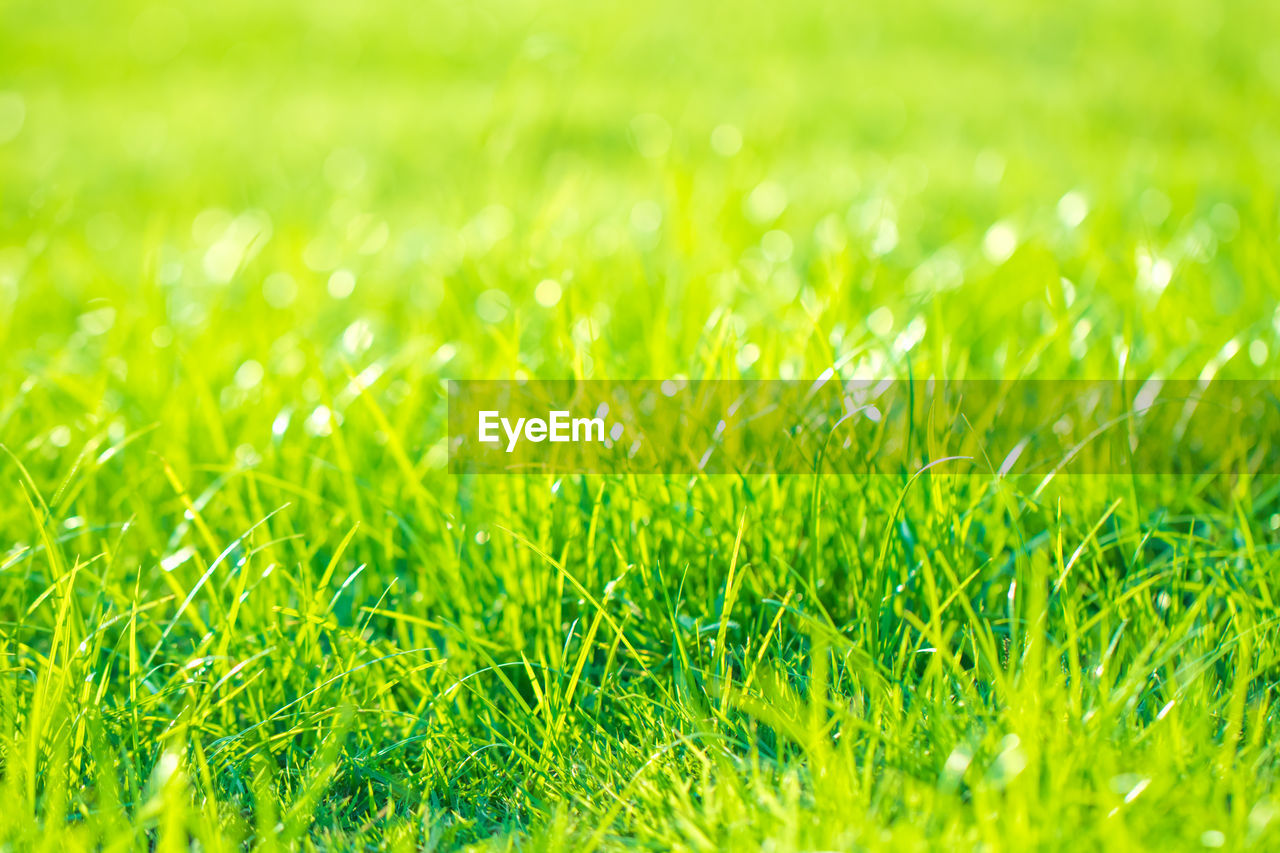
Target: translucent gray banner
983,427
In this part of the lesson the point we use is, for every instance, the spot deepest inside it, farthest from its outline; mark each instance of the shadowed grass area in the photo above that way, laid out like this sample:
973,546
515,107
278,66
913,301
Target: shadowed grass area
243,247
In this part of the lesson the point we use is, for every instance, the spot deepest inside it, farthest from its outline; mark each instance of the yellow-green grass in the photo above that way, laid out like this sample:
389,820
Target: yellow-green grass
244,245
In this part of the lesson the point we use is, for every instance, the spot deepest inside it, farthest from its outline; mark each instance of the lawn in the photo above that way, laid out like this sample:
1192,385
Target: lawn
244,603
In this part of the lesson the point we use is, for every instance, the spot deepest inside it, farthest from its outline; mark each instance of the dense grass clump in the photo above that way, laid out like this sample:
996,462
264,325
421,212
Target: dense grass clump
243,246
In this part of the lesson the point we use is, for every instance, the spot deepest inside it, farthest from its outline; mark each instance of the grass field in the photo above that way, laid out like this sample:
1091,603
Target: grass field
244,245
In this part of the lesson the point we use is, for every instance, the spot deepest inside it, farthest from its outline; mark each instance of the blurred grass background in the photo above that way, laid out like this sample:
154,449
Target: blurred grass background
242,246
474,147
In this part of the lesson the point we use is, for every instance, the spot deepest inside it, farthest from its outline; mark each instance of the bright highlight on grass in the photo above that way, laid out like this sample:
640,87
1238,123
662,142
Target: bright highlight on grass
244,247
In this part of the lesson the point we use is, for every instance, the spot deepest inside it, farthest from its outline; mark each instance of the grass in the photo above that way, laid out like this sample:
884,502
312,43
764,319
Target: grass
243,247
